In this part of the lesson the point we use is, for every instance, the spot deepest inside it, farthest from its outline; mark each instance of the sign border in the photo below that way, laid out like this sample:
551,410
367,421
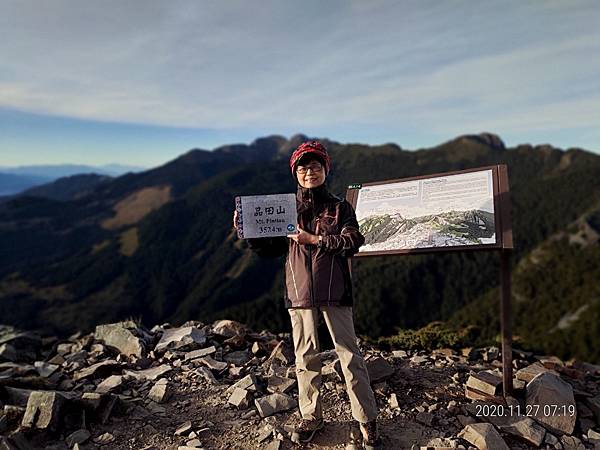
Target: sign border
501,212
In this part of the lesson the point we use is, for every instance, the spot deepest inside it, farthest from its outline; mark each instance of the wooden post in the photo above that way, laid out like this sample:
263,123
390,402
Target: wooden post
506,322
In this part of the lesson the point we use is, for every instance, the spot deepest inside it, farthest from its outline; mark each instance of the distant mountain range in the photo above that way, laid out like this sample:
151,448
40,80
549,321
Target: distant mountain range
158,245
14,180
394,231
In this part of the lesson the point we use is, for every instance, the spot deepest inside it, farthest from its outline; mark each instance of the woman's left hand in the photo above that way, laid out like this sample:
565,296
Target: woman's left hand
304,237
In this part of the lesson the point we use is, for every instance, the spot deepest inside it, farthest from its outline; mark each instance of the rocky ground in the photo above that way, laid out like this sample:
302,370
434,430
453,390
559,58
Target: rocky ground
222,386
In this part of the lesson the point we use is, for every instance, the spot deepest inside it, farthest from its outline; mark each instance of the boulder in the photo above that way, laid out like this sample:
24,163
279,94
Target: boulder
161,391
120,337
229,328
483,436
274,403
43,410
149,374
111,384
379,369
184,338
549,398
240,398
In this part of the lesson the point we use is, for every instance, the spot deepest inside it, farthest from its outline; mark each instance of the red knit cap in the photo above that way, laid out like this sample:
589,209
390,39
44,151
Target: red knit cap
313,148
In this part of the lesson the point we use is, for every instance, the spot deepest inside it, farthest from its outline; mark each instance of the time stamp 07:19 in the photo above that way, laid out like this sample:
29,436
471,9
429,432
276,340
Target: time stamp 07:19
493,410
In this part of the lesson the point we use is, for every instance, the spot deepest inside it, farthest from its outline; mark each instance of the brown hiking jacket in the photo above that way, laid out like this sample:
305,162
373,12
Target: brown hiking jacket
317,275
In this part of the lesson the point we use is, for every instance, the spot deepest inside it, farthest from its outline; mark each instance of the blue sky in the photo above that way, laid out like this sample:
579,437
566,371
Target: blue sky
140,82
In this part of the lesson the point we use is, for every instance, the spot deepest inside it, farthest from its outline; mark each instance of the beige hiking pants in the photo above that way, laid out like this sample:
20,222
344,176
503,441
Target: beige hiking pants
308,362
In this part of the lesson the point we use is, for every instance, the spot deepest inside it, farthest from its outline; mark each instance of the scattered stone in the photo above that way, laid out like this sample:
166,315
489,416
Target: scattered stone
548,390
530,372
274,403
490,354
99,369
200,353
483,436
239,358
207,375
524,429
425,418
240,398
248,383
180,338
399,354
484,382
379,369
43,410
77,437
571,443
45,369
280,384
229,328
418,359
211,363
111,384
161,391
104,439
393,401
119,336
184,428
149,374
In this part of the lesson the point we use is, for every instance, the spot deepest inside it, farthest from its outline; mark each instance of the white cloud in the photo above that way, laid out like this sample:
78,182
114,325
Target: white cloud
445,67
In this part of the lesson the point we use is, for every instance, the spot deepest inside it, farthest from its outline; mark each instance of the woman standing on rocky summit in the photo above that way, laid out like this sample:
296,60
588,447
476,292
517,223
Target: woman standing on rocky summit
318,278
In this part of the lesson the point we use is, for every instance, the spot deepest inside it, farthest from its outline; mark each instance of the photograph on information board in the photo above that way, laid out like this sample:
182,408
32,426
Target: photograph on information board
440,211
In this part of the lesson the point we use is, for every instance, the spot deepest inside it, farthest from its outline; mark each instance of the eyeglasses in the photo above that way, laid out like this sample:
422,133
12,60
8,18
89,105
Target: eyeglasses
315,167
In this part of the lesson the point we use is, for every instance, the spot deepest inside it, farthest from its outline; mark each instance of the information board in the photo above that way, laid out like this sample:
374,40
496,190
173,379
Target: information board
453,210
262,216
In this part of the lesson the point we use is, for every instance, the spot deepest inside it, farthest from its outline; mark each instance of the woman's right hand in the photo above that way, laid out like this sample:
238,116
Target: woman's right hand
235,218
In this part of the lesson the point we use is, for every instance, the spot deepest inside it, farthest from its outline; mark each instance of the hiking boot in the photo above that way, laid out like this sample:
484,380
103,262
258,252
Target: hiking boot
306,429
371,439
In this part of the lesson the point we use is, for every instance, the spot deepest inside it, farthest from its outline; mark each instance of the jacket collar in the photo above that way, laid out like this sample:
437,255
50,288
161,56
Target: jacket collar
308,197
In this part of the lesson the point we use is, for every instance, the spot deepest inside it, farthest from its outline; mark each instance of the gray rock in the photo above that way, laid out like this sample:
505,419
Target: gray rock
77,437
211,363
200,353
594,405
45,369
103,439
485,382
399,354
149,374
97,370
119,337
239,358
229,328
419,359
161,391
548,390
184,428
111,384
206,374
8,353
183,338
248,383
3,423
43,410
571,443
483,436
425,418
524,429
379,369
274,403
530,372
280,384
240,398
